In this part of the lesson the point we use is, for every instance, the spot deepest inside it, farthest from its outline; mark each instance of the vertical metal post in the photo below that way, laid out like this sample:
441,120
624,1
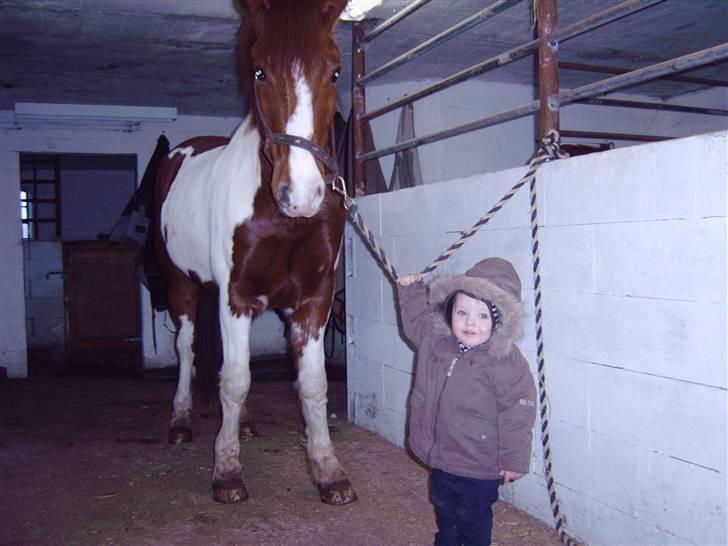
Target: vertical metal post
548,66
358,106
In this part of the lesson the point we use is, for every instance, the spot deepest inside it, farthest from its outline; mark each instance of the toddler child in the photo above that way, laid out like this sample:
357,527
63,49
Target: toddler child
473,404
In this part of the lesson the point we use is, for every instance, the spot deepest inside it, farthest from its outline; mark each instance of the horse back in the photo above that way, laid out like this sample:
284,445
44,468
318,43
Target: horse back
171,163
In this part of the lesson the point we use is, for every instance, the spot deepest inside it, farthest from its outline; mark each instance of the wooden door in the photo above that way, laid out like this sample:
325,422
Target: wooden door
102,297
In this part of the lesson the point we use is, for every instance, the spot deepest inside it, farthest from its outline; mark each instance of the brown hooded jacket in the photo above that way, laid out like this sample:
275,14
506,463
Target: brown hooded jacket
472,413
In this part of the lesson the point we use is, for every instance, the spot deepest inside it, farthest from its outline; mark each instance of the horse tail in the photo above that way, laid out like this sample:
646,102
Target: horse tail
208,343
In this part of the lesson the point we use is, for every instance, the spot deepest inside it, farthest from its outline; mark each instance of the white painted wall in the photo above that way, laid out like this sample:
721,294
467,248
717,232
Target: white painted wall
84,139
83,179
13,350
44,310
633,250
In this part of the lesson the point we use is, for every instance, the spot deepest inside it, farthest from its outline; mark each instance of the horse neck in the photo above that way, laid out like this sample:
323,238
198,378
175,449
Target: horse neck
244,144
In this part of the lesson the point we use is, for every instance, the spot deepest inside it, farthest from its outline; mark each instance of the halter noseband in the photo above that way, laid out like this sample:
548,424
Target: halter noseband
281,138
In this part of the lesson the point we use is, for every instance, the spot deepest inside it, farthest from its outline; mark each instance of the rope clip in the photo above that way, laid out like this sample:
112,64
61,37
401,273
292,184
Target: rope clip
339,186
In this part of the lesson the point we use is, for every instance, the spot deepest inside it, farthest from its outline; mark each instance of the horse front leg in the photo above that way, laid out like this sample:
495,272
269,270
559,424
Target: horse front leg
328,474
227,482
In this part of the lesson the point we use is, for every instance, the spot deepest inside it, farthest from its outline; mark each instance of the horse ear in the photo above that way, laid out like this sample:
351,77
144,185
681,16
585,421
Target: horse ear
255,9
331,9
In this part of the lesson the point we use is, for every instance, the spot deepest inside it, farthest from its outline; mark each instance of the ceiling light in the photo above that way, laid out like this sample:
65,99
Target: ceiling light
98,113
356,10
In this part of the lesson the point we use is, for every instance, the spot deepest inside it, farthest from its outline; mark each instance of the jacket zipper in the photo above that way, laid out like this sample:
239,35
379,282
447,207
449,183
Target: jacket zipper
448,374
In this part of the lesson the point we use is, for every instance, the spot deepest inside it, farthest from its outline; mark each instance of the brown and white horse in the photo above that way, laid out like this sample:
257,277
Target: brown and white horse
253,216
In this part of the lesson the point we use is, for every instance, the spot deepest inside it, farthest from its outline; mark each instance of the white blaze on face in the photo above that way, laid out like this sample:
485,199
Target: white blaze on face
305,178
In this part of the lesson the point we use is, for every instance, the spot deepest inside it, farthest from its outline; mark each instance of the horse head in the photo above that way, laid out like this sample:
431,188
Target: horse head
289,65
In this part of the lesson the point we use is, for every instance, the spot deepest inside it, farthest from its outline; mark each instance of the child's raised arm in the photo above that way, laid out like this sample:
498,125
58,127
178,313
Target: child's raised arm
413,310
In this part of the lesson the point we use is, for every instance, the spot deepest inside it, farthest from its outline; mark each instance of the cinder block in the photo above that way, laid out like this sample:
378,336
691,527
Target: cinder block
396,386
597,188
674,259
710,190
364,287
392,426
365,389
404,211
514,244
583,327
381,342
677,339
685,499
682,419
610,525
14,360
616,470
567,258
567,387
516,211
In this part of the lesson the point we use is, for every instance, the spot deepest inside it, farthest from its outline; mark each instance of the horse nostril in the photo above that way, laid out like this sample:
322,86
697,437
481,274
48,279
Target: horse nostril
284,196
319,191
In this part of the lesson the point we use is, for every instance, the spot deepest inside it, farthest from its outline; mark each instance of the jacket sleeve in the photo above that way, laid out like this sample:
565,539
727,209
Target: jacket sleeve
414,312
516,401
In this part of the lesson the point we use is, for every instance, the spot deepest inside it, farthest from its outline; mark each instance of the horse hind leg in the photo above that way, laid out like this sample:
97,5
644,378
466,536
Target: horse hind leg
183,302
328,474
247,426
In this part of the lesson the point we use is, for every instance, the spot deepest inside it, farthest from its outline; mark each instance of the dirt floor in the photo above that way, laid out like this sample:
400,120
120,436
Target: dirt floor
84,460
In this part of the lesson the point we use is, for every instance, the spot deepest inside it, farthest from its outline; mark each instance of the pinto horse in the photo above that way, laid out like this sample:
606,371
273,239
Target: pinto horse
253,217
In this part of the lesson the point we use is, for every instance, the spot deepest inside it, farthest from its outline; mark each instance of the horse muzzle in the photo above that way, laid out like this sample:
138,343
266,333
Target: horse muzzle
302,203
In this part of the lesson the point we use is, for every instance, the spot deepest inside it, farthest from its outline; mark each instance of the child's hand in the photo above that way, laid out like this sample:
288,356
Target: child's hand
406,280
508,476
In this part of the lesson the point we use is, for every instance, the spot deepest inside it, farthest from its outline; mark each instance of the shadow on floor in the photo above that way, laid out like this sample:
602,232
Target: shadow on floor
127,364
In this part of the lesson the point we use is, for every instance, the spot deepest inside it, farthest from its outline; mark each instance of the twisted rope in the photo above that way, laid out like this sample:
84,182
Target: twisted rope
559,520
547,150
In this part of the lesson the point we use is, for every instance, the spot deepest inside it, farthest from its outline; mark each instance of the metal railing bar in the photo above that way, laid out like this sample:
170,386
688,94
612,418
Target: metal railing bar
596,101
389,23
615,70
612,136
595,20
459,28
568,96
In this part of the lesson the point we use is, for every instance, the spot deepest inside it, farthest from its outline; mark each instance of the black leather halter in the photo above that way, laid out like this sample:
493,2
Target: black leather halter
281,138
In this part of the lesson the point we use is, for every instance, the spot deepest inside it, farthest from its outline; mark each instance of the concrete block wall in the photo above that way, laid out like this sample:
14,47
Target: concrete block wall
633,250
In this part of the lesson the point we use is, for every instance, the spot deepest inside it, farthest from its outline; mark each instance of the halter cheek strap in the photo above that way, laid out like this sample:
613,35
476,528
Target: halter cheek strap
290,140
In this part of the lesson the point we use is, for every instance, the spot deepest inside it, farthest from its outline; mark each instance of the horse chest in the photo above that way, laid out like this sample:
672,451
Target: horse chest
211,195
285,267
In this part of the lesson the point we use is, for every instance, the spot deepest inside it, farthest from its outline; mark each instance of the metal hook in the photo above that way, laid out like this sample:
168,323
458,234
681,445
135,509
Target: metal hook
338,184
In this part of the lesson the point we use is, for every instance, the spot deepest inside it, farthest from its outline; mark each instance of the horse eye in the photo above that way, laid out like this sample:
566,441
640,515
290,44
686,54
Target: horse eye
335,75
259,74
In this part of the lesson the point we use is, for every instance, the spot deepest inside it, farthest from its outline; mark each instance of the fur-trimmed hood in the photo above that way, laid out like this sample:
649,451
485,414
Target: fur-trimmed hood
494,280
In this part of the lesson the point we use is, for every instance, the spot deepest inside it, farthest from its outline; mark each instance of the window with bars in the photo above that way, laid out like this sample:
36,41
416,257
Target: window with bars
40,206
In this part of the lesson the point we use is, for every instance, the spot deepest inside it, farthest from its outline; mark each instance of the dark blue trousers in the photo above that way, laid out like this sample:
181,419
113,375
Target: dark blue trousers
463,509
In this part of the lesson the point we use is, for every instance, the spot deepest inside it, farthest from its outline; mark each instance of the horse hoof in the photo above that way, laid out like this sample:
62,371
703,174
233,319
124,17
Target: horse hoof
338,492
247,430
179,435
229,490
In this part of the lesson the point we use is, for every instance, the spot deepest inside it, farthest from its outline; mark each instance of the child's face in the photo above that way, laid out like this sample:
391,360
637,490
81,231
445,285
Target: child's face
471,322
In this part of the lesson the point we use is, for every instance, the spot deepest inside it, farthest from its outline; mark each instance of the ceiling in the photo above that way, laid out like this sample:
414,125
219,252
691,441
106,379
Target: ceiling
180,52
